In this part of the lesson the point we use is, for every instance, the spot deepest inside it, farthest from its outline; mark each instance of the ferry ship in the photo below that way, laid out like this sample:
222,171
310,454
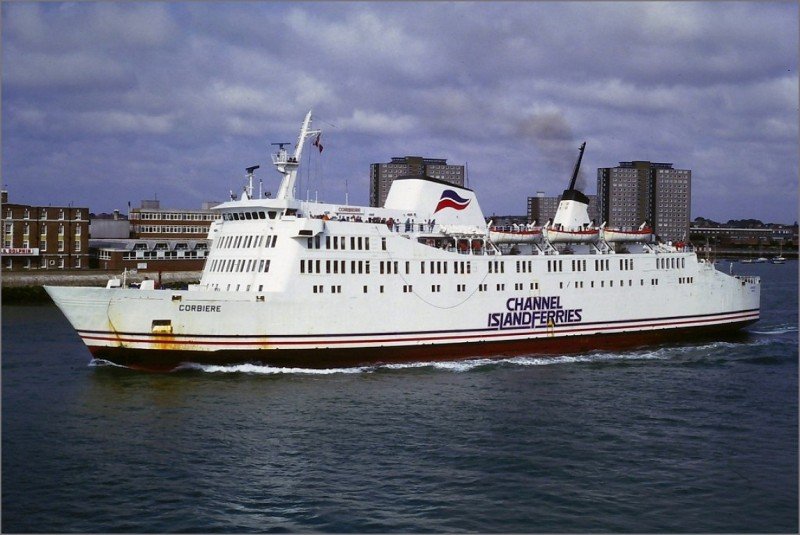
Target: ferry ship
296,283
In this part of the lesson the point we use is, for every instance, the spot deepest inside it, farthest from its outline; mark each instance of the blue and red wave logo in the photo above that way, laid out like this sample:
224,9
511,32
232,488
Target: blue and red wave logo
451,199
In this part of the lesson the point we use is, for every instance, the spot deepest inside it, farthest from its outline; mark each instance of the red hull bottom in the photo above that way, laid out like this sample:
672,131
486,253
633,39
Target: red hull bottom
167,360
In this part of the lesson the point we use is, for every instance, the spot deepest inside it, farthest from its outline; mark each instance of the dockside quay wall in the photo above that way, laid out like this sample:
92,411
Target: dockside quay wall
11,279
27,287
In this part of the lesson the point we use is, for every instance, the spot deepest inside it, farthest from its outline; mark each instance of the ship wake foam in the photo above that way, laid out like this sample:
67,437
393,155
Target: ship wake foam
452,366
267,370
102,363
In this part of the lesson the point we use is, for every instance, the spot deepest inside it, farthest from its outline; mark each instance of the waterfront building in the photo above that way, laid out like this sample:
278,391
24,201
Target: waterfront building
161,239
44,237
639,191
163,254
150,221
383,174
542,208
739,236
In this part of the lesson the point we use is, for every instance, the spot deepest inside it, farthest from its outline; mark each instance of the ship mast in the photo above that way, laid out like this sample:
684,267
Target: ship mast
577,167
287,165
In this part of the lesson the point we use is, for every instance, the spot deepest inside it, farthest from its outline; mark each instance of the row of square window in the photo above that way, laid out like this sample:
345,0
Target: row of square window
170,229
9,230
42,215
157,255
435,288
385,267
172,216
653,282
465,267
339,243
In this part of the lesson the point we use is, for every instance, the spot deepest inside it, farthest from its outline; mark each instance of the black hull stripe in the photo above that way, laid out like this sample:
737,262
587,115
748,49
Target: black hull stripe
333,357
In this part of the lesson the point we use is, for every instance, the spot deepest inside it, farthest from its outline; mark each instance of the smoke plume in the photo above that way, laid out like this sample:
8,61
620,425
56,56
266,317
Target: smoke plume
552,136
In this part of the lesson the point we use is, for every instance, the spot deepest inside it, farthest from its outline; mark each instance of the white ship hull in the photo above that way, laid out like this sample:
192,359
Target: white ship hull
159,329
296,283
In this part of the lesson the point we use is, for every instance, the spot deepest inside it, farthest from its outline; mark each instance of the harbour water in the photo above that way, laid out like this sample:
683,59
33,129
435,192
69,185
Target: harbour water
685,437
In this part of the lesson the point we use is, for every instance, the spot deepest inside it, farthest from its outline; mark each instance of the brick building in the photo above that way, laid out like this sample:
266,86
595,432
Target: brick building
44,237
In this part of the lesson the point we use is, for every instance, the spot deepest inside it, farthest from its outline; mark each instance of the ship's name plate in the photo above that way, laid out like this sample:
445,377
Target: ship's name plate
200,308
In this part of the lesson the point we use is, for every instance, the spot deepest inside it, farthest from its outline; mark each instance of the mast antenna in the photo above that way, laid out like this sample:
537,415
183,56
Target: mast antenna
250,171
287,165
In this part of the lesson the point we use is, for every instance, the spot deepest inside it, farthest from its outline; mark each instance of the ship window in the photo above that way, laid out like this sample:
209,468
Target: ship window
365,288
274,239
271,214
247,215
381,289
383,244
235,216
261,215
327,242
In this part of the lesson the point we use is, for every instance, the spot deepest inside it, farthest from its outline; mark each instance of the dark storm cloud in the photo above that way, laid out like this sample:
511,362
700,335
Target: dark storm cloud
178,98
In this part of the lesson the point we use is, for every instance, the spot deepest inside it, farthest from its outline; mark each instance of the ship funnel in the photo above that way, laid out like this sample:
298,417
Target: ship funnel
573,210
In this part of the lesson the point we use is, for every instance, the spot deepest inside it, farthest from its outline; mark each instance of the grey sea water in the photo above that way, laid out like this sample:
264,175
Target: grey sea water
684,437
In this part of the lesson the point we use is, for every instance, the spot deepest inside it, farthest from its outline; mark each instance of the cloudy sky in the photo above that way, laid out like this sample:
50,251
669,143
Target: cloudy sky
109,103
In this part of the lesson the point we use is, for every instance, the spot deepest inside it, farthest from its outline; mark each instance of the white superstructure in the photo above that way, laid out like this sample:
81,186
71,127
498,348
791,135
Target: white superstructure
301,283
